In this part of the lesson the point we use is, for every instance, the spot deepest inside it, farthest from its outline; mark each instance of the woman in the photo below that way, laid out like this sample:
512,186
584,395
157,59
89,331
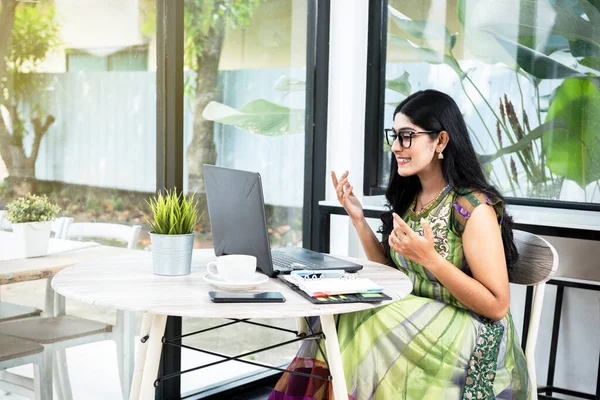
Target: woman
453,337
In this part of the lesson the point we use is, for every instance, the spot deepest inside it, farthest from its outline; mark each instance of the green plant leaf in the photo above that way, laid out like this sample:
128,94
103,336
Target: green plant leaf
537,64
461,11
411,51
429,31
535,24
400,84
575,154
259,116
522,144
582,48
288,84
591,62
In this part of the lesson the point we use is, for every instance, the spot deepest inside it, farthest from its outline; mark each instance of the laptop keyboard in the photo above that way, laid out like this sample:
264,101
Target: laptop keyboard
285,262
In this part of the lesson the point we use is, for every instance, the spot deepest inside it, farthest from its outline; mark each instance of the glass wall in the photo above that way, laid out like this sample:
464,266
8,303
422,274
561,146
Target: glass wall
524,74
78,123
245,72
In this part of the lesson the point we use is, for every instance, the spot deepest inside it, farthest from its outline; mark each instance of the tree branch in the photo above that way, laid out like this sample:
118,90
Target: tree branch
7,20
39,130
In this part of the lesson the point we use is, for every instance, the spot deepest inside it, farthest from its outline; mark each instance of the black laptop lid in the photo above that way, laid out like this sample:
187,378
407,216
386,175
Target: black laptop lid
237,214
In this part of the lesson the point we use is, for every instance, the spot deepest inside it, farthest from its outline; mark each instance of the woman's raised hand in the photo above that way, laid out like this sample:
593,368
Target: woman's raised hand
346,197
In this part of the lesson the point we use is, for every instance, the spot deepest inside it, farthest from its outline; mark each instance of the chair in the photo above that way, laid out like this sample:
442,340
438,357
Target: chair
82,230
538,262
60,331
4,224
9,311
15,352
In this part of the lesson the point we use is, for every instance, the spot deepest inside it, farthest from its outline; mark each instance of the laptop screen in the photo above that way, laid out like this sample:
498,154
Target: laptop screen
237,214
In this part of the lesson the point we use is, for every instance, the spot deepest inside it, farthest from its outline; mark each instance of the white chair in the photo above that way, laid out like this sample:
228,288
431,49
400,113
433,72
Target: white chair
85,230
60,332
538,262
15,352
4,224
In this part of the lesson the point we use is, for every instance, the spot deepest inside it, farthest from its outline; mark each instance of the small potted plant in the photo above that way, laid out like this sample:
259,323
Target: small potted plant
172,232
31,217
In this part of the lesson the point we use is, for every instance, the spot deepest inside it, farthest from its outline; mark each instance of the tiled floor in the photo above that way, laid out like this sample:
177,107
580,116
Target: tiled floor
93,372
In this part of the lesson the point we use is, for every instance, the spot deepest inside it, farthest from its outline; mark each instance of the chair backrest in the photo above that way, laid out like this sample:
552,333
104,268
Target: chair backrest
125,233
538,260
4,223
57,227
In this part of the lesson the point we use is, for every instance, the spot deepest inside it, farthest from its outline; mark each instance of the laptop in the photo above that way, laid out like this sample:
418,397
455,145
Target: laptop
237,217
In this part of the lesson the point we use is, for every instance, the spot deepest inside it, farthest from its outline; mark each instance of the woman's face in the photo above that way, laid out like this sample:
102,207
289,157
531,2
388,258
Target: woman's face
421,155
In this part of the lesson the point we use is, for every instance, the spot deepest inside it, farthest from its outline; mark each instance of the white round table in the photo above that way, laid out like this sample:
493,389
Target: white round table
127,283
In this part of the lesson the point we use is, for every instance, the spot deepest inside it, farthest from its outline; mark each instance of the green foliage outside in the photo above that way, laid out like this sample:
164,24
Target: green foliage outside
31,208
34,35
562,144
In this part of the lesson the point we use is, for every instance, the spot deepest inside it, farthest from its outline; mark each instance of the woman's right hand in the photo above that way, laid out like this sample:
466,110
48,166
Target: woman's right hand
346,197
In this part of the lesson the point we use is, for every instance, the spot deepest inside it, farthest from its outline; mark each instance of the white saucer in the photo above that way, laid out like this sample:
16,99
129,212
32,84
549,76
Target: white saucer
257,279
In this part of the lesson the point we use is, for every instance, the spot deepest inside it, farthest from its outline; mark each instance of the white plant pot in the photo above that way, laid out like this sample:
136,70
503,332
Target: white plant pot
33,237
172,254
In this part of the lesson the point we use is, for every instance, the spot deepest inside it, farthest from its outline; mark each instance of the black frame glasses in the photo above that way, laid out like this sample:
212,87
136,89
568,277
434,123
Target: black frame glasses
403,135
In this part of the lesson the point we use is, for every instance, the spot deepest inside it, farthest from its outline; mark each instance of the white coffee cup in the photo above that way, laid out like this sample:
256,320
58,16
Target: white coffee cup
233,267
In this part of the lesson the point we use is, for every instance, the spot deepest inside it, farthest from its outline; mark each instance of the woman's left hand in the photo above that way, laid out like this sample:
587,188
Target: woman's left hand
408,243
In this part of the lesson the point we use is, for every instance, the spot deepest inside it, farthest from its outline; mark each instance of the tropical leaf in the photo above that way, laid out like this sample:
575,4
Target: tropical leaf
537,64
429,31
591,62
525,142
539,25
575,153
259,116
413,52
288,84
400,84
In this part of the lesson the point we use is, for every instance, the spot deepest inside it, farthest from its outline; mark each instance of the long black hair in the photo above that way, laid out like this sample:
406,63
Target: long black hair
436,111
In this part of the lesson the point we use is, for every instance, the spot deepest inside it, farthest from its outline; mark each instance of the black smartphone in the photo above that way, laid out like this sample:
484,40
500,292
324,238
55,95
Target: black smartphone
245,297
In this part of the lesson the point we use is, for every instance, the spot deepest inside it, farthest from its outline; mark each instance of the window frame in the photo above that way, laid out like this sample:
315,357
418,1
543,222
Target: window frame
374,113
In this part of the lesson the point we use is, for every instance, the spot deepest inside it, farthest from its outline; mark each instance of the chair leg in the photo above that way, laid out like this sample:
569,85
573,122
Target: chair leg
49,300
140,357
62,375
332,346
124,336
38,377
153,353
46,375
532,334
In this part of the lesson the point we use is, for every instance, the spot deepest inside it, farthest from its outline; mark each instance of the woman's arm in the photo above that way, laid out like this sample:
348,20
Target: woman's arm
353,207
370,243
487,292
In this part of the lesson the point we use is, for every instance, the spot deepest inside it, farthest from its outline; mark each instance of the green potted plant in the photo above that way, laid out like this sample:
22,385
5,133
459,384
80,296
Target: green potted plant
172,232
31,217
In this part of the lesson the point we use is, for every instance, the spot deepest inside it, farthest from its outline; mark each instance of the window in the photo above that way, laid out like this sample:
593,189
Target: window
132,59
245,85
86,140
524,74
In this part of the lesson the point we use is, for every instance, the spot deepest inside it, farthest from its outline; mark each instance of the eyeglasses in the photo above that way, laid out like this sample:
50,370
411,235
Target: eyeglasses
405,136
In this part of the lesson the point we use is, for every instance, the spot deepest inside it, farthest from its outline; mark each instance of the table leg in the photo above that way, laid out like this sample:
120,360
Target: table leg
140,357
125,335
340,392
154,349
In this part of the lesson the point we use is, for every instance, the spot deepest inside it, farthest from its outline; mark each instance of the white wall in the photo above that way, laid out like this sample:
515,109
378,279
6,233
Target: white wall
579,341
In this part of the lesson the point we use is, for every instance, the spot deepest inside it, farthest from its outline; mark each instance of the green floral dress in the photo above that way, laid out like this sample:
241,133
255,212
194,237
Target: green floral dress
428,345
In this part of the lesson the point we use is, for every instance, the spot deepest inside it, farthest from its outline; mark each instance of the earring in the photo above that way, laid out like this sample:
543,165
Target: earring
440,155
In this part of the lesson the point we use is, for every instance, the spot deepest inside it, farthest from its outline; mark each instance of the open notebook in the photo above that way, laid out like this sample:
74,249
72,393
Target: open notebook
367,297
347,284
